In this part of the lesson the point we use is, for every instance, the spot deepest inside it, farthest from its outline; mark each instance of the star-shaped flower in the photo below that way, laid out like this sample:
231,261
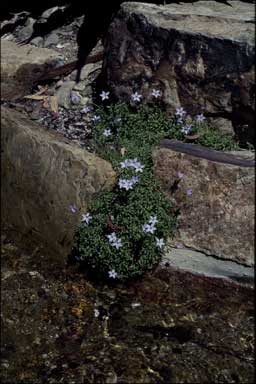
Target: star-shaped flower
180,112
189,192
86,218
148,228
112,274
186,129
96,118
200,118
86,109
96,312
104,95
156,93
107,132
153,220
75,98
112,237
136,96
160,243
117,243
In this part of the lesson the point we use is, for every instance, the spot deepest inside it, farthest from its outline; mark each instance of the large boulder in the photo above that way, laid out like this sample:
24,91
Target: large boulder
214,196
201,55
47,182
21,66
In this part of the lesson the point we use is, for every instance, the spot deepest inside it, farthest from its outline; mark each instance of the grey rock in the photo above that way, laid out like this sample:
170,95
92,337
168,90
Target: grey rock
37,41
200,55
199,263
21,66
63,94
43,176
51,40
216,202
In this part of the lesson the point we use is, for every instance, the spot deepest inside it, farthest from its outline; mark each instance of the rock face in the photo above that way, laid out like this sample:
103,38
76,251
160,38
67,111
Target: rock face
43,177
216,203
201,56
21,66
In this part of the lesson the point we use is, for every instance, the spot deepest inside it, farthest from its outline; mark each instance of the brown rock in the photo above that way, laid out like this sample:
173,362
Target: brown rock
218,217
201,55
21,66
42,176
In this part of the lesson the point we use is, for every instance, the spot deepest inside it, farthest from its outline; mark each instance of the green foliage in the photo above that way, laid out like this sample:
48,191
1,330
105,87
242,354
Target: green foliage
134,132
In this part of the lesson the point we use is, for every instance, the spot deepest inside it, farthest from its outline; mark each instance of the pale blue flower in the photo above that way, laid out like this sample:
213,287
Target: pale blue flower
107,133
189,192
86,218
104,95
200,118
186,129
112,237
86,109
112,274
160,242
96,312
148,228
153,220
117,243
96,118
180,112
156,93
136,96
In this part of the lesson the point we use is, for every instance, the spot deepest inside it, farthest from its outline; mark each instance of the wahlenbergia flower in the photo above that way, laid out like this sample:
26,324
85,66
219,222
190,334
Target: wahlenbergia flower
104,95
86,218
136,96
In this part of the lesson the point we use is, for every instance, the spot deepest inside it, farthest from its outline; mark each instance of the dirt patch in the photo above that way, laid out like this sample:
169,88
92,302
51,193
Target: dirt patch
61,326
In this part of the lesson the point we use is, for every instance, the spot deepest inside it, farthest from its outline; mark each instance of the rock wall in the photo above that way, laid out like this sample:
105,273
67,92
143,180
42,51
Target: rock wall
47,182
201,55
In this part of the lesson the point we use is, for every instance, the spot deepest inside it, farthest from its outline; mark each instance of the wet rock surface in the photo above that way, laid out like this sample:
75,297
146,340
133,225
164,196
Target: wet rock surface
170,327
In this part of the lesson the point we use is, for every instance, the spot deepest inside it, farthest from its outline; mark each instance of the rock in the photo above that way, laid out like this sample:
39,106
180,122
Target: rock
47,182
37,41
200,55
63,94
215,201
26,31
51,40
196,262
21,66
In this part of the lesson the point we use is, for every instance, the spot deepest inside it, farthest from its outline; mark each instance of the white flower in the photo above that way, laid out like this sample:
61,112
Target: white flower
200,118
104,95
156,93
117,243
153,220
132,163
136,96
148,228
96,312
127,184
112,274
86,109
186,129
107,132
134,179
180,112
160,243
112,237
96,118
135,305
86,218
